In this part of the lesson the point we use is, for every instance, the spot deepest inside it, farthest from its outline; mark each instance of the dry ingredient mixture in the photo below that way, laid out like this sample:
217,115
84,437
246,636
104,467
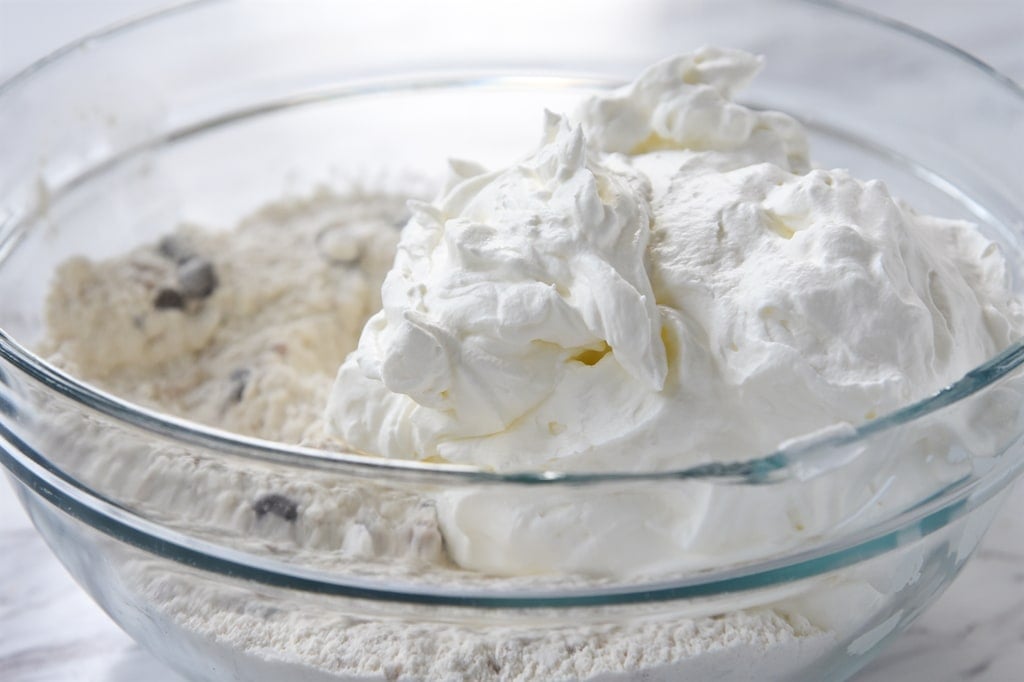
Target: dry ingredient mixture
242,329
664,266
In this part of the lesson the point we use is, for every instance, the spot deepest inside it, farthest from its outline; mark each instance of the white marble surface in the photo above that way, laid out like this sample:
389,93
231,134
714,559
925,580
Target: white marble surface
50,631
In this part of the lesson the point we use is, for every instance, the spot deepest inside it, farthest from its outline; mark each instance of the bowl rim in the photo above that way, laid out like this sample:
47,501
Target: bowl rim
777,466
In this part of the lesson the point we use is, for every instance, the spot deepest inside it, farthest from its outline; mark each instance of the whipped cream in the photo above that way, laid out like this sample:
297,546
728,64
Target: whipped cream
663,282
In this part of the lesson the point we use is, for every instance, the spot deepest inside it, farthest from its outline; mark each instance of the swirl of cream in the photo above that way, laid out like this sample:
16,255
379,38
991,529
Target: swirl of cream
515,280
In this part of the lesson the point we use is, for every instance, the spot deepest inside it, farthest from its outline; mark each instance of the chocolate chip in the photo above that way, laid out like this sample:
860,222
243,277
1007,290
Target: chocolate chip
278,505
175,248
239,379
197,278
169,299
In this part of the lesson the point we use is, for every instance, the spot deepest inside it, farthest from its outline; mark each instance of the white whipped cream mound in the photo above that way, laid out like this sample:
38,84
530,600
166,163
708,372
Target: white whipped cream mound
494,296
662,283
686,103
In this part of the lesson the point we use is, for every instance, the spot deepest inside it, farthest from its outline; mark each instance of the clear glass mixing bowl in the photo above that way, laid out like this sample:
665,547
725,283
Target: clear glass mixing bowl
204,112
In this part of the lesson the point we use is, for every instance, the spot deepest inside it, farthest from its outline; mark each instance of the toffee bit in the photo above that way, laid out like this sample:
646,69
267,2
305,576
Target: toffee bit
197,278
169,299
175,248
278,505
239,379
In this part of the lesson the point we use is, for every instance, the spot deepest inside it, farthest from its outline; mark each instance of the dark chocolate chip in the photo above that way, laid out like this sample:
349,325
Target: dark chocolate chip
278,505
197,278
175,248
239,379
169,299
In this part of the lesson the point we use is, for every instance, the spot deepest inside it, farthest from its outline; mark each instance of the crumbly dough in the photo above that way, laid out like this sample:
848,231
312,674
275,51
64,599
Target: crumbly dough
242,330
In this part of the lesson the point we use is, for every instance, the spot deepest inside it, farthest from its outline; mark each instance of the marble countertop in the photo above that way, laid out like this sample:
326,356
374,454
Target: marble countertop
50,631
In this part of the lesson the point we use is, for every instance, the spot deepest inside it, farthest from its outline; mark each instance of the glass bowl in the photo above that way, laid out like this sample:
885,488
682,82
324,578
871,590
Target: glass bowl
204,112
